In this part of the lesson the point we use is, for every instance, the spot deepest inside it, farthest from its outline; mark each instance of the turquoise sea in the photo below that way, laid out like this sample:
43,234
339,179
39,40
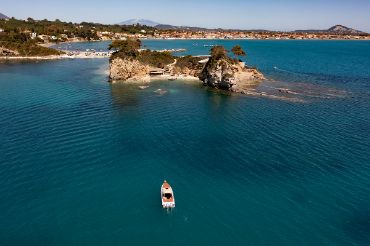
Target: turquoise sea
82,160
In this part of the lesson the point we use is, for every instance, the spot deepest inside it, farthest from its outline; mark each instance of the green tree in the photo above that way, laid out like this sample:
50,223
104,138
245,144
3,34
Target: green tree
218,52
127,45
238,51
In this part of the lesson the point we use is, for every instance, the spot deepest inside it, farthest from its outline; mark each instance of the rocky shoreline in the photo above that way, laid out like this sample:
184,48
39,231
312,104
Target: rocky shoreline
217,71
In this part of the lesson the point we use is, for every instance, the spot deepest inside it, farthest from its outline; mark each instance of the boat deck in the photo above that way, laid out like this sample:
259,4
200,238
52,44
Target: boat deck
167,189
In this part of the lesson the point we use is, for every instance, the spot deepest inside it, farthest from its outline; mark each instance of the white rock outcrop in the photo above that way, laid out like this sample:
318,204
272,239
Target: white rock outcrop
227,75
129,70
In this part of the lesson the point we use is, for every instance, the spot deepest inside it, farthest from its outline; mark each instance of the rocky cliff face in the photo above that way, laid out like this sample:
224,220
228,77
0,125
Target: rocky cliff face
128,70
228,75
221,72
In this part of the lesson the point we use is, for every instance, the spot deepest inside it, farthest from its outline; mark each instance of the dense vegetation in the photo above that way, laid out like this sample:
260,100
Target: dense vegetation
24,45
16,34
129,49
186,63
238,51
219,53
57,28
29,49
155,58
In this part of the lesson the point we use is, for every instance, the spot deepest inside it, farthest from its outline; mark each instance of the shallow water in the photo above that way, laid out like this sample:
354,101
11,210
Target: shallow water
82,160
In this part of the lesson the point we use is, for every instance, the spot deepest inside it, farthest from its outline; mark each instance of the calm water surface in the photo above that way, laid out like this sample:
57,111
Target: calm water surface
82,161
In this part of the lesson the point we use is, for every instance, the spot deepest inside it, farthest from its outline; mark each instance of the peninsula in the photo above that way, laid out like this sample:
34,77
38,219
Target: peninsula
30,38
130,64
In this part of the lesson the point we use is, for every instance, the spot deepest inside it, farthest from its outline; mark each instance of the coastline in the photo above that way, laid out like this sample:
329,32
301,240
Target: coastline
49,45
54,57
96,55
174,78
166,77
231,39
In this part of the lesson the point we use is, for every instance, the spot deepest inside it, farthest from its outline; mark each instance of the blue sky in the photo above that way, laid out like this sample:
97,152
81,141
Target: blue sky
246,14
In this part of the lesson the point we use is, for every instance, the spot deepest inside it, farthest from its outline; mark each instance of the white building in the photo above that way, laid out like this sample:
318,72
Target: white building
106,33
43,37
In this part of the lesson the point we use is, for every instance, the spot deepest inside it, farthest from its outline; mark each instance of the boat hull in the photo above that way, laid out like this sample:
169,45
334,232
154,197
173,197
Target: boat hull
167,196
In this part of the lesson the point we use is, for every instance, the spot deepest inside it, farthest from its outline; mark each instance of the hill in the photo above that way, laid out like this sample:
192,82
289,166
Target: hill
181,28
344,30
203,29
142,22
2,16
337,29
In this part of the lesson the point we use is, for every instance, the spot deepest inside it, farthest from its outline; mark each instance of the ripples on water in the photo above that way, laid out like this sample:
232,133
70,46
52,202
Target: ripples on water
82,160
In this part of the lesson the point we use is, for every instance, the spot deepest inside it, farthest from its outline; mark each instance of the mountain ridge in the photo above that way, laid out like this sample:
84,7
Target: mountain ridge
2,16
143,22
337,29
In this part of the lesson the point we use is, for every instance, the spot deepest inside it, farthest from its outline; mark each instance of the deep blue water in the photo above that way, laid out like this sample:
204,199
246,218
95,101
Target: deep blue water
82,161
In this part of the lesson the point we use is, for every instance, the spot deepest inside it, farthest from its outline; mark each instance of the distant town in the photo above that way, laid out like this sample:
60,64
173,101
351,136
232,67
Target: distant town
58,31
253,35
32,37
